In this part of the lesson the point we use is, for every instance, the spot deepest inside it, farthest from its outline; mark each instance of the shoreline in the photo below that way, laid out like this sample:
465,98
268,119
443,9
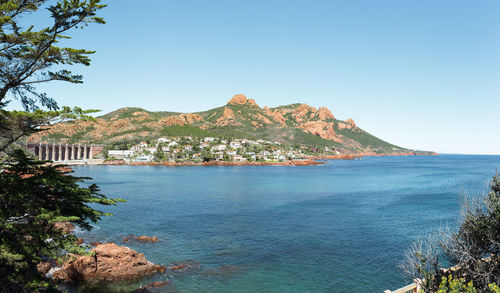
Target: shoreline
218,163
308,161
362,155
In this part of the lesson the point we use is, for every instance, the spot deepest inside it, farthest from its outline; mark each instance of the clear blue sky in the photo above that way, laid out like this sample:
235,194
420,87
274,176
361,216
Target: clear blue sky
420,74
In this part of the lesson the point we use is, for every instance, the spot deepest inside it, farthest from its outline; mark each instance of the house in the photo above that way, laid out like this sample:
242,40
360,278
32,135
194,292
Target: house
144,158
163,140
188,147
221,147
120,154
235,144
218,155
135,148
231,153
165,149
151,150
196,156
265,153
172,143
238,158
204,145
208,139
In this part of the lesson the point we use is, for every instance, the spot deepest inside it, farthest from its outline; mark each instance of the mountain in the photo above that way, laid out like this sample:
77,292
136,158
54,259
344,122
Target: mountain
295,124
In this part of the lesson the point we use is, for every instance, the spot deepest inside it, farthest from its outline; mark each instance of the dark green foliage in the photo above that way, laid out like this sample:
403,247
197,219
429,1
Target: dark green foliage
306,138
185,130
366,139
34,196
26,55
128,111
473,250
15,125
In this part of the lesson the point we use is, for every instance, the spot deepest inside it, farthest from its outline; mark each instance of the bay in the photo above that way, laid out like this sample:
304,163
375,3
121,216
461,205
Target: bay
338,227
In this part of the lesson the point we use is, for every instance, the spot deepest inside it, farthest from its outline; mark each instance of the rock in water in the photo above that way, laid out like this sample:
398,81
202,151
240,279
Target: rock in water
152,286
110,263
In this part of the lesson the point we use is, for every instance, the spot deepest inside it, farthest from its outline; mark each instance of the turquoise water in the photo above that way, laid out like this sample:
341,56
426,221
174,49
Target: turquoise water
338,227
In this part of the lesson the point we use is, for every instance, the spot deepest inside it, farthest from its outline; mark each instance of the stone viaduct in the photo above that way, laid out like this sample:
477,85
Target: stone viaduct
63,152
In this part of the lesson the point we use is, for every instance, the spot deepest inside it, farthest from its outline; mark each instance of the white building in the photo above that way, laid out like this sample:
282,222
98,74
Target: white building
163,139
152,150
235,144
238,158
144,158
120,154
221,147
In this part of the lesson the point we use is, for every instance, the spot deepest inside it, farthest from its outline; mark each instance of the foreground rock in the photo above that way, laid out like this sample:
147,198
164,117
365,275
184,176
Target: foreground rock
110,263
64,227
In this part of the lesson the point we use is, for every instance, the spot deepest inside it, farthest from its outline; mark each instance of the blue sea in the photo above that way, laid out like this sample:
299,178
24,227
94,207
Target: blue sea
339,227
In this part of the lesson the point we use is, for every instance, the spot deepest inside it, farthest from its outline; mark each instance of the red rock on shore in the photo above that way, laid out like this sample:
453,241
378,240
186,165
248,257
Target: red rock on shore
222,163
287,163
361,155
142,238
110,263
64,227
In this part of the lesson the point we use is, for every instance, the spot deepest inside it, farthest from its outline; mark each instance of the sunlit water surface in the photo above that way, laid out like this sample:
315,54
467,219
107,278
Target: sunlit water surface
338,227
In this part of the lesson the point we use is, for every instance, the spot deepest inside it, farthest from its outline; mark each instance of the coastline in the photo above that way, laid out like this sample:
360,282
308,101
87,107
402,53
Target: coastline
218,163
361,155
308,161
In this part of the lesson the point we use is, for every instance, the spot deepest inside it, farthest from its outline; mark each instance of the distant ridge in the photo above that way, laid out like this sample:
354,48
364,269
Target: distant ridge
295,124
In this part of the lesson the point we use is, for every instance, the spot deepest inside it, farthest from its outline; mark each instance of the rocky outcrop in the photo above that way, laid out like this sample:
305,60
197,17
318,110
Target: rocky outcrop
324,113
276,115
186,266
241,113
44,267
322,129
152,286
351,123
238,99
142,238
227,118
110,263
181,119
288,163
64,227
251,102
303,112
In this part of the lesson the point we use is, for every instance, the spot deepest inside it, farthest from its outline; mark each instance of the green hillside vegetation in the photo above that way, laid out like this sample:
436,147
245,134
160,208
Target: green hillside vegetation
294,124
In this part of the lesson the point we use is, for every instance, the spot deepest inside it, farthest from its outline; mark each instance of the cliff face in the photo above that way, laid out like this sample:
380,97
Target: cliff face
241,117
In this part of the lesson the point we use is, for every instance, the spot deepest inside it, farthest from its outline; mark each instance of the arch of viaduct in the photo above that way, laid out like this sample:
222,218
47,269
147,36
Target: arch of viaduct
63,152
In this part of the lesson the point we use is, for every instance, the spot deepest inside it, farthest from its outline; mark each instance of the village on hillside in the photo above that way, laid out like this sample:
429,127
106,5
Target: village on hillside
189,149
